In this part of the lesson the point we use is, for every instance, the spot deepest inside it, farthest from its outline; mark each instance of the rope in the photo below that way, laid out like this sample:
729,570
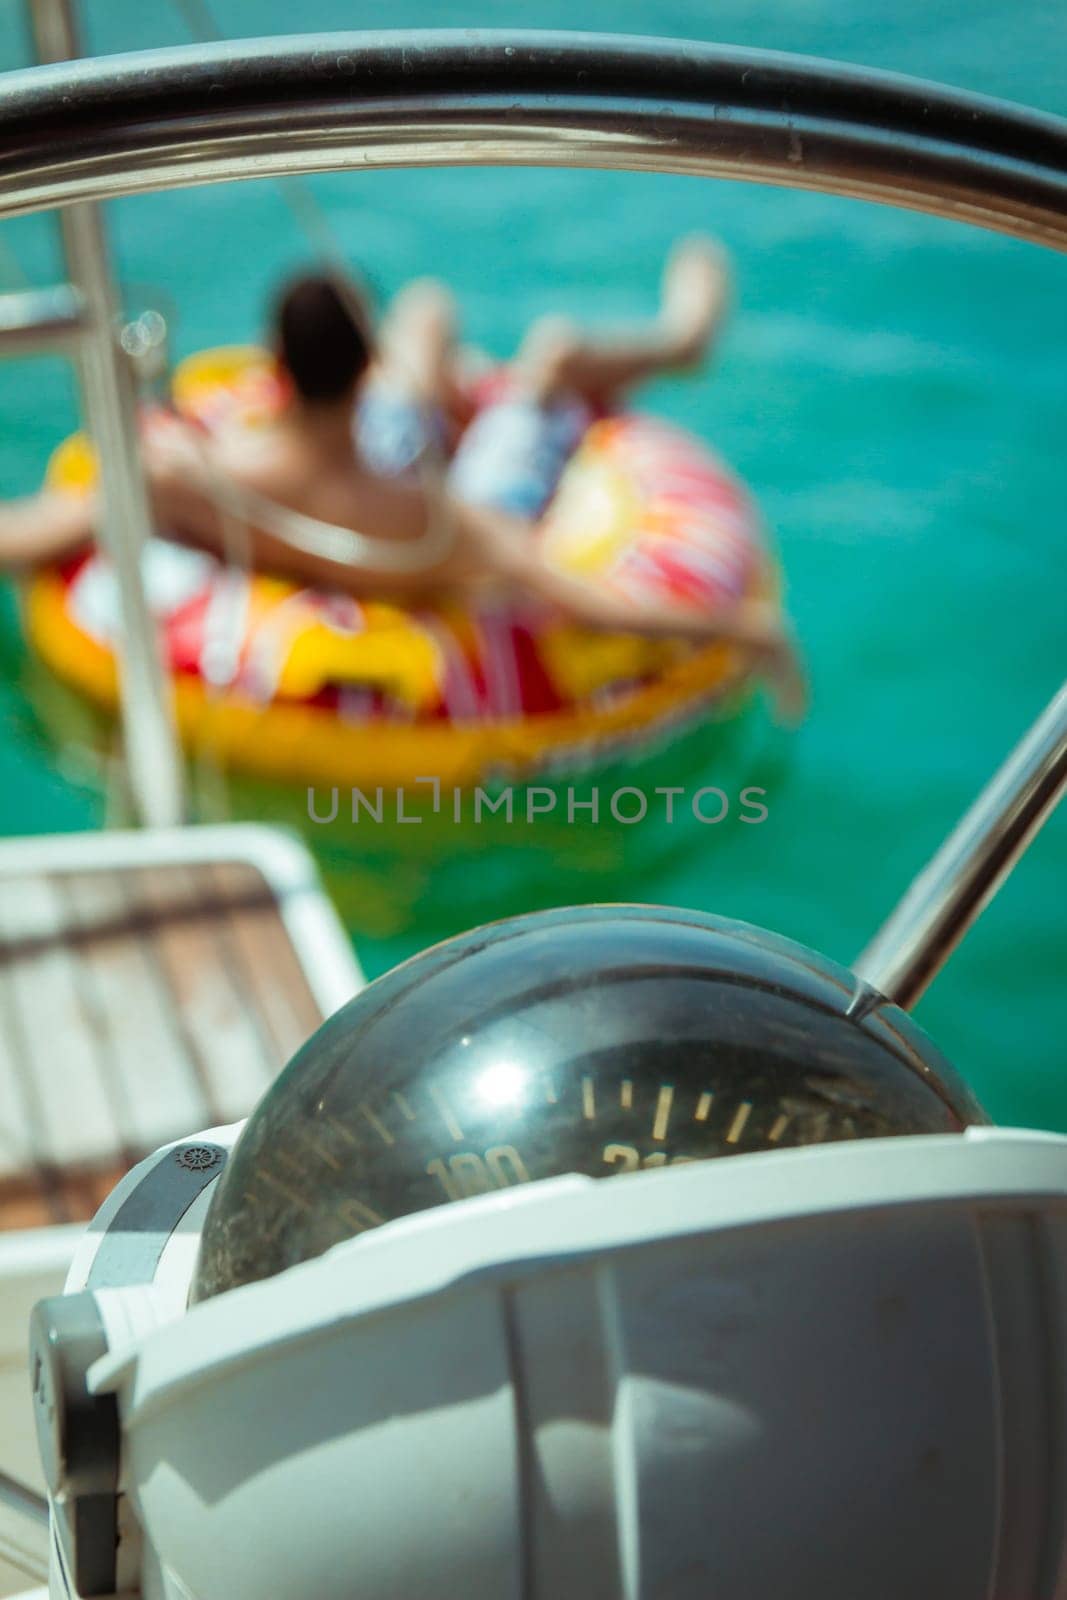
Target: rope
310,535
328,541
308,214
24,1499
27,1554
239,507
11,268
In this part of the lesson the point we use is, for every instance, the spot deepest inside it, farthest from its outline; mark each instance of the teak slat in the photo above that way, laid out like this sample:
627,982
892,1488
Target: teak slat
138,1003
63,1069
133,1012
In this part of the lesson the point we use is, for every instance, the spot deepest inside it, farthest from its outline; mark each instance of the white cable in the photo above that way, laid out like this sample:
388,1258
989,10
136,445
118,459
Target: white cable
328,541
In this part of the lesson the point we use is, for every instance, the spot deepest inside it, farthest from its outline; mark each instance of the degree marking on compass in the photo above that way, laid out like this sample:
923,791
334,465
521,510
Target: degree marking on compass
292,1195
737,1126
663,1111
781,1123
626,1093
268,1235
358,1213
703,1107
376,1122
405,1109
446,1113
321,1151
588,1099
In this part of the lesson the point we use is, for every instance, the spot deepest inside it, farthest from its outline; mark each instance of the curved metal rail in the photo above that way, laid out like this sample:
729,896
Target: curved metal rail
168,118
951,892
255,108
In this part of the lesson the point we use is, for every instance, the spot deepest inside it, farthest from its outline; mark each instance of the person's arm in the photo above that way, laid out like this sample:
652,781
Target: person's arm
755,625
48,526
216,511
54,524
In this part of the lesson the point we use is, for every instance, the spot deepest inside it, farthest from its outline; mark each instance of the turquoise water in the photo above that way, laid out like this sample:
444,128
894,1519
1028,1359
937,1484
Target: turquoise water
891,386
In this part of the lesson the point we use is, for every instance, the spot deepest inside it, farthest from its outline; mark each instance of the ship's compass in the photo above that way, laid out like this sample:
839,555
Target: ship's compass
833,1369
600,1041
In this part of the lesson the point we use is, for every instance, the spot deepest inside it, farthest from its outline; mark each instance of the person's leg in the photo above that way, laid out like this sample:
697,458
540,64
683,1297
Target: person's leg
417,343
408,409
557,358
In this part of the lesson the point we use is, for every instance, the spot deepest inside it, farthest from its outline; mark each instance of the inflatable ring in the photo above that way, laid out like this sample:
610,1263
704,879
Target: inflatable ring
302,688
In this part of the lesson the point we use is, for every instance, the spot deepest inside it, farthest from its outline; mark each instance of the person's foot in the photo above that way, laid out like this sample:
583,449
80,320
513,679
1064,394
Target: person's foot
418,340
542,367
694,296
787,679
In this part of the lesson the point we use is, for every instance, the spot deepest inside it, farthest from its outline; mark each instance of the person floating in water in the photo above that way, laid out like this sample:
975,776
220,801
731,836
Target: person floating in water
362,509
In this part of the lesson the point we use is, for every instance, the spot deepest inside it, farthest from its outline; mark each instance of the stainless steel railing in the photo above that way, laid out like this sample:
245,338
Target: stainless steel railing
163,118
42,321
87,329
167,118
914,943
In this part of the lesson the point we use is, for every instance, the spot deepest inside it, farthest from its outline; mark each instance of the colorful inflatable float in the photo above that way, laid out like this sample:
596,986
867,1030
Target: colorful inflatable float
317,696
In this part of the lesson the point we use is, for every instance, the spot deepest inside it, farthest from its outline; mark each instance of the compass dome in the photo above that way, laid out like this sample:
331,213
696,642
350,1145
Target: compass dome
597,1040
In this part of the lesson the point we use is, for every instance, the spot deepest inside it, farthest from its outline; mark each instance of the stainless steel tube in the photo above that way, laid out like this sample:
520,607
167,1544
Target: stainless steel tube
161,119
24,1534
153,762
256,108
920,935
27,1502
40,321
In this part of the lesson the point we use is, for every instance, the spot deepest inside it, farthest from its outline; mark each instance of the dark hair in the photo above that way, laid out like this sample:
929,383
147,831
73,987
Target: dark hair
321,336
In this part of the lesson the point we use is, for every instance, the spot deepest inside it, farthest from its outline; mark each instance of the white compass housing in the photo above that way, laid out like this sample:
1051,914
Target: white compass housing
827,1372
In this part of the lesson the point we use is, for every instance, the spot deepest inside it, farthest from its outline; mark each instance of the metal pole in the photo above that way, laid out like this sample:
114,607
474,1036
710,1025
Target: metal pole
264,107
36,321
153,762
913,945
26,1501
23,1546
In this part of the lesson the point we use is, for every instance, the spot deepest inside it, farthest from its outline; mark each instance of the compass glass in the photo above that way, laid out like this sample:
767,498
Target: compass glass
601,1040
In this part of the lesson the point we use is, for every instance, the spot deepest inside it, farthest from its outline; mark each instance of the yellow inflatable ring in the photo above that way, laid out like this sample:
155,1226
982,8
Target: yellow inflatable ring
290,685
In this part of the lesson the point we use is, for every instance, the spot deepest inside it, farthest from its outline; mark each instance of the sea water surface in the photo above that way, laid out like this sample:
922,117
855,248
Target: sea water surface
890,385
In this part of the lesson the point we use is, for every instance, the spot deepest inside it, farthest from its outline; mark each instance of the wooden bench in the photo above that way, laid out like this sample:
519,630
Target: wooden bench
151,984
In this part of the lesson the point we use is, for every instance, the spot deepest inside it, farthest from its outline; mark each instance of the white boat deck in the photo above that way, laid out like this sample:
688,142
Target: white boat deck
151,984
